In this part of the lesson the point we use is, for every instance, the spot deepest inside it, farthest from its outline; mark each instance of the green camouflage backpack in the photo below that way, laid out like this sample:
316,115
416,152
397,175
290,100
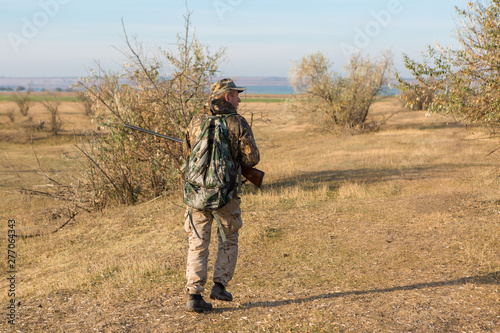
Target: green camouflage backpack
210,173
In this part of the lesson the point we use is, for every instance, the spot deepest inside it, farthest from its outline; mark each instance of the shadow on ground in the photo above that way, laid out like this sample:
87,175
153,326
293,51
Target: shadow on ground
492,278
423,127
367,175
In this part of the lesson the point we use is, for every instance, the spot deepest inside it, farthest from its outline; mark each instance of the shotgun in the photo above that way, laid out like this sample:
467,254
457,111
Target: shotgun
253,175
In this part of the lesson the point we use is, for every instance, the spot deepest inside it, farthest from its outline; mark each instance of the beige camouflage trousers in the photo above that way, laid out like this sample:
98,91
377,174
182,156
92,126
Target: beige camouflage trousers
227,253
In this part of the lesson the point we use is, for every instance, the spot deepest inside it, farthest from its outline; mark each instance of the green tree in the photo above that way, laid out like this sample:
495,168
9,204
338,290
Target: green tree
465,82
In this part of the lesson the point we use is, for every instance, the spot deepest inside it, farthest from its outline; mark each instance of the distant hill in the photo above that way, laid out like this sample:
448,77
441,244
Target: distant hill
37,83
257,84
254,84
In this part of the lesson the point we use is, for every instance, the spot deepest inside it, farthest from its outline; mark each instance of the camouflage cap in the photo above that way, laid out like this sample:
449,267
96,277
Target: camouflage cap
223,86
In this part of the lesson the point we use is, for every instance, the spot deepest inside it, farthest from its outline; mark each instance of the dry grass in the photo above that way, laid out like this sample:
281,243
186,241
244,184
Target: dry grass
393,231
25,129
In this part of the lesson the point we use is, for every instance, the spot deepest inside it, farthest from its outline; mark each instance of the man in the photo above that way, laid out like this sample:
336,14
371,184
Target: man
224,100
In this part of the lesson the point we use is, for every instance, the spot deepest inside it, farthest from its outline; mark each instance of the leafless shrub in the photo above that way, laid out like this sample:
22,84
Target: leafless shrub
23,102
69,195
51,104
86,103
10,115
341,101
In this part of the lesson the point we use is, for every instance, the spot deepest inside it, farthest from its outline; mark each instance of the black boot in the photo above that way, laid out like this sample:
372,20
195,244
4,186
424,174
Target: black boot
196,303
219,292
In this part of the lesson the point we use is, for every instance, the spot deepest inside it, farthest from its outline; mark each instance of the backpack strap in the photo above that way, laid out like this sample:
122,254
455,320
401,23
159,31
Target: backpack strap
239,178
217,218
219,224
190,214
224,117
203,129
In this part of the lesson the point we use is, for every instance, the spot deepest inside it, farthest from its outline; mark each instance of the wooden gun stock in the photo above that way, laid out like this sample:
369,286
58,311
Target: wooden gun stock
254,176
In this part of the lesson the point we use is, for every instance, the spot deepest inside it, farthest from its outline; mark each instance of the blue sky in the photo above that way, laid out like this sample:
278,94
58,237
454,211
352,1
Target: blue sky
45,38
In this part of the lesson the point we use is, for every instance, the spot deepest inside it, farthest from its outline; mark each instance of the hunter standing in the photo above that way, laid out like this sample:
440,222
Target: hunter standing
242,150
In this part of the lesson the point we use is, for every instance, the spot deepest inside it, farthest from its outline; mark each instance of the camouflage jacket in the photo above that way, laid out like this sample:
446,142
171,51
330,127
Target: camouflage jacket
242,143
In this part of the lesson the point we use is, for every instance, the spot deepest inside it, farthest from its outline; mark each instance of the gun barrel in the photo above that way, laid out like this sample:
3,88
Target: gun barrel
153,133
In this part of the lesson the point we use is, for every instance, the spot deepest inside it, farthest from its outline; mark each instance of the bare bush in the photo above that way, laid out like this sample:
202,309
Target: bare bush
23,102
86,103
69,197
342,101
160,93
51,104
10,114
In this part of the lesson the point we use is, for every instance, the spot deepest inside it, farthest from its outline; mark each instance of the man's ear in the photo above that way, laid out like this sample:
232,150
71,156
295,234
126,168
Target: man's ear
227,96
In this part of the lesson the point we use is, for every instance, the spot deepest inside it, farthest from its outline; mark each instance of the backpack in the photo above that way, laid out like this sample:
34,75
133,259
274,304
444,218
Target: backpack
210,173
